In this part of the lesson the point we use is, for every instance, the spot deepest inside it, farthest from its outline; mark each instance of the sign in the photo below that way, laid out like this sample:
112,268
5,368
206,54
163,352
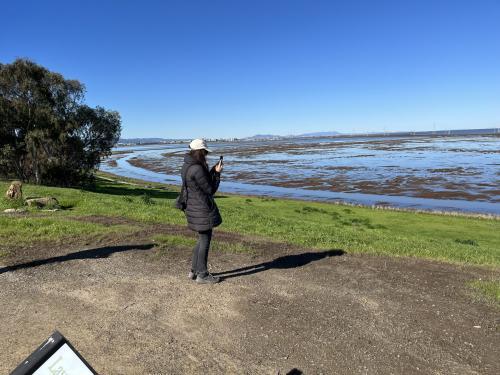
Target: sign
63,362
55,356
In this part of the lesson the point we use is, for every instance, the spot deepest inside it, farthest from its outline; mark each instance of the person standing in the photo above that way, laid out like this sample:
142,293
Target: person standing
200,184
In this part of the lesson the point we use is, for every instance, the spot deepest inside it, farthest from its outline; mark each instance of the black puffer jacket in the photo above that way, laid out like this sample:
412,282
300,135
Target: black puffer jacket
201,211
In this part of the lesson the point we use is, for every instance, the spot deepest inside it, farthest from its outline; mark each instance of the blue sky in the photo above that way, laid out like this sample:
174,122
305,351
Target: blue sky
237,68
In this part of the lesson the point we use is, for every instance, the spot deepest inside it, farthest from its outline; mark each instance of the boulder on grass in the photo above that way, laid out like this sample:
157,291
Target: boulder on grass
42,202
14,210
15,190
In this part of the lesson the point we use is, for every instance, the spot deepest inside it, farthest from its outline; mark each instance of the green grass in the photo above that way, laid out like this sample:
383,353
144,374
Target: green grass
489,290
12,203
25,230
315,225
170,240
366,230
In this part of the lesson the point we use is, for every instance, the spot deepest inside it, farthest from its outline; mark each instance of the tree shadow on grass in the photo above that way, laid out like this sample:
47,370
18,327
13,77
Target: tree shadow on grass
129,190
66,207
284,262
105,187
101,252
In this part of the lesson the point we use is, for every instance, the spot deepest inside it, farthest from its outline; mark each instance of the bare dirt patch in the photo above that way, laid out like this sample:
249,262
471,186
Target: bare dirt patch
105,220
130,311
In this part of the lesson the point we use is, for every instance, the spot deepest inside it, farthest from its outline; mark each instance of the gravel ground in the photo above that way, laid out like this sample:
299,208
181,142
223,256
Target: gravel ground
130,309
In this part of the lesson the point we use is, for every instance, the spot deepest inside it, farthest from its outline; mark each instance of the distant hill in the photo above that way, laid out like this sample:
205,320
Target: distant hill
263,136
488,131
274,136
462,132
146,141
319,134
140,140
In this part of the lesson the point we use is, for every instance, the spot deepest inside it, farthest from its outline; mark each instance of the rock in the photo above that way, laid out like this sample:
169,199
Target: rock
15,190
14,210
42,202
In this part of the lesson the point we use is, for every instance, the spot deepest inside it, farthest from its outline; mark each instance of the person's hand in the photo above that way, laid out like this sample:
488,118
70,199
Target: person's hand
219,167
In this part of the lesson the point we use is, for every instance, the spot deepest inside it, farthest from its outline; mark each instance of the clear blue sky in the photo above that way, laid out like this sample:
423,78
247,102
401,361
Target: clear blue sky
237,68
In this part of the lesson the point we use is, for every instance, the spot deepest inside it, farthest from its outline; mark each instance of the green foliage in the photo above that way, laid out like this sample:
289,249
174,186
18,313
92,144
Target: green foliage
47,134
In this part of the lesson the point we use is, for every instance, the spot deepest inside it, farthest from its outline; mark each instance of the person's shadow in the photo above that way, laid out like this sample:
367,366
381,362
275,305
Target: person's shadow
284,262
101,252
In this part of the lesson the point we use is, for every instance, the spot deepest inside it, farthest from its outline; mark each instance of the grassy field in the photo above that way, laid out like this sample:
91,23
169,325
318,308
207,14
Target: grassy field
308,224
487,289
456,239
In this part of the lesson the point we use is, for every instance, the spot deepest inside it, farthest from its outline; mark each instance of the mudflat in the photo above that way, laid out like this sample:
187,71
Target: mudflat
463,168
129,308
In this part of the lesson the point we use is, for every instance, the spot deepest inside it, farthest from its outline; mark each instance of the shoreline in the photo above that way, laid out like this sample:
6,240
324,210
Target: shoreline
146,183
361,172
389,187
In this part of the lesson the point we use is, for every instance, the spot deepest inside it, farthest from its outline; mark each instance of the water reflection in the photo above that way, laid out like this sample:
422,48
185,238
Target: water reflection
427,173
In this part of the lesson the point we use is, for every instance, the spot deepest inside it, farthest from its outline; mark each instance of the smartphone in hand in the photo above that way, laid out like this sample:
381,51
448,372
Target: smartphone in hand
218,167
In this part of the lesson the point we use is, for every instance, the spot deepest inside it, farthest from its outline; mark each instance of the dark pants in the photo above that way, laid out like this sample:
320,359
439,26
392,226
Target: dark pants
200,253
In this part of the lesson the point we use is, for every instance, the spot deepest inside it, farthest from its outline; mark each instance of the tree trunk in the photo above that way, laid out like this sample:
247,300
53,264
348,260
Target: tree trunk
36,169
15,190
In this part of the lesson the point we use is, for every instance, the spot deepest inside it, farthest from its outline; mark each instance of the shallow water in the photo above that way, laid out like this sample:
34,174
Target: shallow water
442,173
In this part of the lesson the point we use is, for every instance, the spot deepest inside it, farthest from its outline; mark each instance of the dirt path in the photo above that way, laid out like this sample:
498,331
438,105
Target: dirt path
130,311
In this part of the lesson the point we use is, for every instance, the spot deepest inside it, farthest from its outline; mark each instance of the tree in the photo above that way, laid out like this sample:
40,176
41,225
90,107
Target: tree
47,133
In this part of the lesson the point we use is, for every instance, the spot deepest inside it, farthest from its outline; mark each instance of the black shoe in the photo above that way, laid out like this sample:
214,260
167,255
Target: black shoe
207,279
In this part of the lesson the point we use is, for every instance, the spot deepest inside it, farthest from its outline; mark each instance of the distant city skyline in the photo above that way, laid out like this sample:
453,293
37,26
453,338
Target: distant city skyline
188,69
451,132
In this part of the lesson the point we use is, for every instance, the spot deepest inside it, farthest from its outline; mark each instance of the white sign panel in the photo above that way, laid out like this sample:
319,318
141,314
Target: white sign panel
63,362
